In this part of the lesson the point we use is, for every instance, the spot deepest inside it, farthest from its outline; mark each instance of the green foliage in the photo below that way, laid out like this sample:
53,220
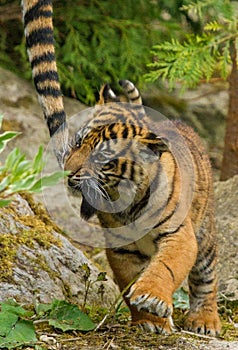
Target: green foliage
99,42
88,282
18,329
198,56
66,316
18,174
15,329
181,299
96,42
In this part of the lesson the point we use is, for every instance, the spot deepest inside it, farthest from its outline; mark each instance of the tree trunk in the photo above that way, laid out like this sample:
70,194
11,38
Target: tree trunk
230,154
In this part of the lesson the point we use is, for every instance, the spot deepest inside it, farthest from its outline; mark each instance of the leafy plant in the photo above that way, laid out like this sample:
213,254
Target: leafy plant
181,299
65,316
198,56
204,56
97,42
88,282
18,174
15,329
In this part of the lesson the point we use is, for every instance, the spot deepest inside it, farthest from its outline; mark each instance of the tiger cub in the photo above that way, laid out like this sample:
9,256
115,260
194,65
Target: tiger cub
176,241
150,186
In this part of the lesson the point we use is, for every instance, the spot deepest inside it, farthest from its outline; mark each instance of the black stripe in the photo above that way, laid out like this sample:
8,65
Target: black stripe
200,293
132,175
113,135
139,206
165,205
40,36
173,211
169,269
211,251
48,75
30,15
123,168
125,132
113,235
49,91
55,120
132,126
200,281
46,57
166,233
131,91
135,98
208,262
132,252
168,216
35,11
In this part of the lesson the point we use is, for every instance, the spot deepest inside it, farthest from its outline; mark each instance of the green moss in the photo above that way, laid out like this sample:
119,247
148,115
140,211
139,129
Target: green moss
40,232
229,317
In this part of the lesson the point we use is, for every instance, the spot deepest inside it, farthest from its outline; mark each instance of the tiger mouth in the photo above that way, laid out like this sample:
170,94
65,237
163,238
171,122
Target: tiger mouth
92,195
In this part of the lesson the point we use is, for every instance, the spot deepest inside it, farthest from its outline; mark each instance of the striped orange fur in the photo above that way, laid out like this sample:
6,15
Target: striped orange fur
172,249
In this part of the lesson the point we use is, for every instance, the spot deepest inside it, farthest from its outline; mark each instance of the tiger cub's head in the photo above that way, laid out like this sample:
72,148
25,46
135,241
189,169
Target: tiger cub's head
116,152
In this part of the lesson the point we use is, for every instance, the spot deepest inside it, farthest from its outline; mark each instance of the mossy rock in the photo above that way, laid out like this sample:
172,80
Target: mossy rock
38,263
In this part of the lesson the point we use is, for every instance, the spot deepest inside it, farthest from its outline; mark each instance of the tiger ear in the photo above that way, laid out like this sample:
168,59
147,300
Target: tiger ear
106,95
154,147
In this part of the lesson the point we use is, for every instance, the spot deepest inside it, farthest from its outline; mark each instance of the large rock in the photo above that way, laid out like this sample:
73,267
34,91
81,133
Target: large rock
226,195
37,263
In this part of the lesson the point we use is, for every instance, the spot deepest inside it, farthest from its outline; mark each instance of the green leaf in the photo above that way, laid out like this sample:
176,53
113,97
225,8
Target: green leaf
87,270
6,137
4,183
12,307
37,162
13,158
23,333
22,184
102,276
15,332
181,299
42,309
48,181
213,26
24,166
66,316
7,321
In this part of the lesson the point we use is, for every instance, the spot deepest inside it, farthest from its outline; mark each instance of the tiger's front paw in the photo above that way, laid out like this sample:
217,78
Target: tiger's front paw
150,300
159,325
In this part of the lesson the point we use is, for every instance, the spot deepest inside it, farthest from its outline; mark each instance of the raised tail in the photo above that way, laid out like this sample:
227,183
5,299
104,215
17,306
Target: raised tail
37,17
131,91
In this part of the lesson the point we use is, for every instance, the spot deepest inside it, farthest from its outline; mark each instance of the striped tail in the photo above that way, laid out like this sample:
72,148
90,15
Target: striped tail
131,91
37,17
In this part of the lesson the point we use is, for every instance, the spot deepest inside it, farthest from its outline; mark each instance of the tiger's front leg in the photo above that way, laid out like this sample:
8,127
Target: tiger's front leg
127,264
152,292
150,297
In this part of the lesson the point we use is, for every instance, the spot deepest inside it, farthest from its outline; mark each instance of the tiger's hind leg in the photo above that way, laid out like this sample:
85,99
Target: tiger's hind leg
203,317
127,266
